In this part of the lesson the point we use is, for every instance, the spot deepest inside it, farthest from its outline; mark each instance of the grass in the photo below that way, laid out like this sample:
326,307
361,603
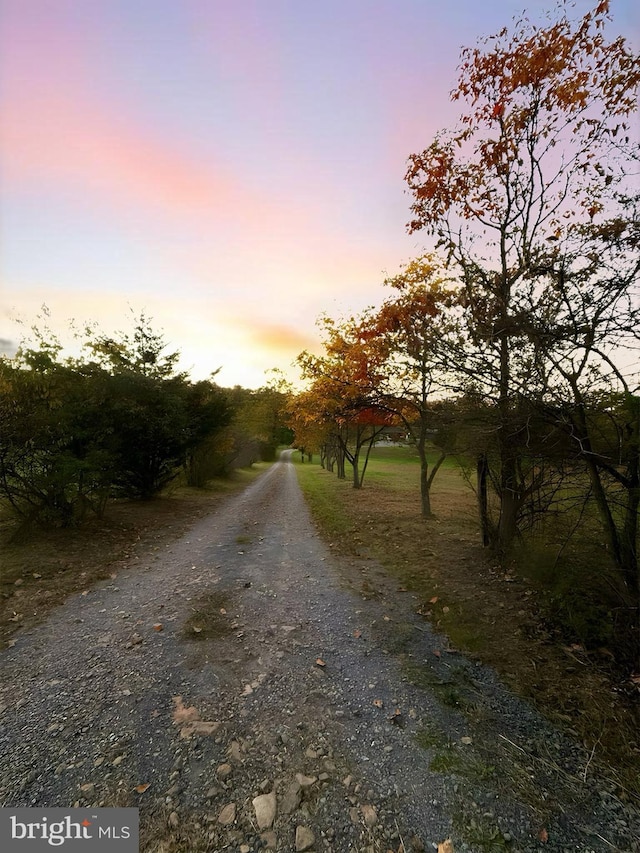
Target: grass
543,624
462,763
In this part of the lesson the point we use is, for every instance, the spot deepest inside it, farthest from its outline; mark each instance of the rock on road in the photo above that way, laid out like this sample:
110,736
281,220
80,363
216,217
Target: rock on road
242,692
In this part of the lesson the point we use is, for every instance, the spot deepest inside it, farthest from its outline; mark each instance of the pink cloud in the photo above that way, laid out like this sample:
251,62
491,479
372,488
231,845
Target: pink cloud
61,141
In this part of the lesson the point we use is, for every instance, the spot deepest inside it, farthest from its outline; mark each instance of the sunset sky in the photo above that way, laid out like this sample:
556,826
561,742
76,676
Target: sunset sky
232,168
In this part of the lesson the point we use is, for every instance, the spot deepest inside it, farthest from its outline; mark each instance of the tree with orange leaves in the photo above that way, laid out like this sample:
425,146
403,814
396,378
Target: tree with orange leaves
342,395
518,196
414,331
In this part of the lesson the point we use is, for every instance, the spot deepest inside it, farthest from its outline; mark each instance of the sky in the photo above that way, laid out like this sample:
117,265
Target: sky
231,168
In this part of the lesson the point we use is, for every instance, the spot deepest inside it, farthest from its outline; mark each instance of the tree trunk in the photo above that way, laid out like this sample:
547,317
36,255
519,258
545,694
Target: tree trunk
509,482
425,492
509,503
355,464
482,470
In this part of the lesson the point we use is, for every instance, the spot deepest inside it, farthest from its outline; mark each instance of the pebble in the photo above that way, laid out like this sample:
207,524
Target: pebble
265,809
305,839
269,840
369,814
292,798
228,814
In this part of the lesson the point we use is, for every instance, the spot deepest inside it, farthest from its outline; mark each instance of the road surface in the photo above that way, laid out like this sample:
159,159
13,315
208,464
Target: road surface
245,668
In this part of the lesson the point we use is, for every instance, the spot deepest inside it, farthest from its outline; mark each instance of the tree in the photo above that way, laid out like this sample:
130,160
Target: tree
147,404
53,461
76,431
589,334
413,331
259,424
312,431
539,154
209,413
343,383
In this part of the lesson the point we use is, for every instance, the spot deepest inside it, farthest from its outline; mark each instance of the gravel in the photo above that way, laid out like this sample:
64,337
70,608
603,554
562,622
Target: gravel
299,715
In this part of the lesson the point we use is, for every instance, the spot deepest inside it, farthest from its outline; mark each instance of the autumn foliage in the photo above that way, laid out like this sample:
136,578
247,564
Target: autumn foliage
525,312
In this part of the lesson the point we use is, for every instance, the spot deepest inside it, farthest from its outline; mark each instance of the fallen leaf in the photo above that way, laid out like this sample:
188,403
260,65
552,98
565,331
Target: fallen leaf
446,846
320,662
543,835
223,611
158,626
433,600
196,629
466,740
396,718
387,619
142,788
357,634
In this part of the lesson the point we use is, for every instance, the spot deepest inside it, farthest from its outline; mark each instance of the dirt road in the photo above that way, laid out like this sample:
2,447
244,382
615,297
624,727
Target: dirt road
247,690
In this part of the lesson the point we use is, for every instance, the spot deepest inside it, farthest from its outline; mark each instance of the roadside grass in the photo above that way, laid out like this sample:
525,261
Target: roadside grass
540,622
42,567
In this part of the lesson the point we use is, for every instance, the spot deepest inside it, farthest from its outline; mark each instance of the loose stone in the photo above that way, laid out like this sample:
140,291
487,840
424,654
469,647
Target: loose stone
265,809
305,839
227,815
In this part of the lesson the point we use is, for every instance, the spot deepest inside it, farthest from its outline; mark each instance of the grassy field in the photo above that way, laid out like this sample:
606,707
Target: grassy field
525,621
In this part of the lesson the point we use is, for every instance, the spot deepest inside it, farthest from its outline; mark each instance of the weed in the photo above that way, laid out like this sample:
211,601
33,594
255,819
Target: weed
399,637
431,737
482,834
462,763
423,676
208,619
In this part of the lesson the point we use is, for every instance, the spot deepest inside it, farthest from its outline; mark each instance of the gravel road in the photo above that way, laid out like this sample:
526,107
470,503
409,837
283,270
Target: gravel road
248,690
